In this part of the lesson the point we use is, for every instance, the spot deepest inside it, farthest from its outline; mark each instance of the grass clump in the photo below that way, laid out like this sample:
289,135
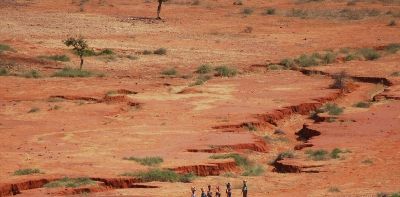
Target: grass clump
162,176
340,80
34,110
170,72
200,80
328,58
72,72
395,74
269,11
225,71
58,58
362,104
255,170
288,63
392,23
306,61
369,54
392,48
239,160
106,52
247,11
70,182
4,72
317,155
286,154
5,47
335,153
31,74
367,161
350,57
146,161
26,171
333,189
204,69
331,109
160,51
250,126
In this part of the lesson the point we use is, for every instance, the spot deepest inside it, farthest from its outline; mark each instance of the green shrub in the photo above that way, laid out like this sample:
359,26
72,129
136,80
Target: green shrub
317,155
367,161
4,72
162,176
269,11
200,80
70,182
392,48
5,47
340,80
239,160
204,69
332,109
286,154
160,51
350,57
328,58
147,161
369,54
255,170
247,11
288,63
335,153
72,72
275,67
106,52
31,74
226,71
59,58
362,104
306,61
26,171
170,72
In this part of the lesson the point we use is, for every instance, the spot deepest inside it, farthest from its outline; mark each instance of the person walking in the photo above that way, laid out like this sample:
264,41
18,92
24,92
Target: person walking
193,189
228,190
209,192
217,193
203,194
244,188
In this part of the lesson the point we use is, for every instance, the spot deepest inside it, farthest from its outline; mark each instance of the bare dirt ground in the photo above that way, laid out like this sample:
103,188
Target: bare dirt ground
84,127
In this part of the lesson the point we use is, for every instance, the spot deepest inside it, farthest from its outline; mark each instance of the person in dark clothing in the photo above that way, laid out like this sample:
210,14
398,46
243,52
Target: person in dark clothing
228,190
159,8
217,193
203,194
244,188
209,192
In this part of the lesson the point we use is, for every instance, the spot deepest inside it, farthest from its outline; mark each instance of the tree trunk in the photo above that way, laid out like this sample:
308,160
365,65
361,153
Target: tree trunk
80,68
159,9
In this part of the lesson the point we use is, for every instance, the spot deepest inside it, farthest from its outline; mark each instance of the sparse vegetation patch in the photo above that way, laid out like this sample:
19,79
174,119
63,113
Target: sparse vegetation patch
72,72
225,71
70,182
162,176
26,171
147,161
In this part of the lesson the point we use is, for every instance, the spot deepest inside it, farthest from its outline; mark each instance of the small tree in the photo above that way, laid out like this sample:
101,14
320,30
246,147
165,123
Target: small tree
79,46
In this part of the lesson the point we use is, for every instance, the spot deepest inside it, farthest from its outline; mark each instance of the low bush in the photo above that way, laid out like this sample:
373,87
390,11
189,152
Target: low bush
288,63
5,47
204,69
250,126
160,51
392,48
72,72
162,176
200,80
269,11
147,161
239,160
332,109
362,104
335,153
59,58
395,74
4,72
369,54
317,155
247,11
392,23
225,71
170,72
70,182
31,74
33,110
306,61
26,171
340,80
255,170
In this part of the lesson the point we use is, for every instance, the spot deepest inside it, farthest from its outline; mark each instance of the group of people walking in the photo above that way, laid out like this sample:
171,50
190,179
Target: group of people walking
228,191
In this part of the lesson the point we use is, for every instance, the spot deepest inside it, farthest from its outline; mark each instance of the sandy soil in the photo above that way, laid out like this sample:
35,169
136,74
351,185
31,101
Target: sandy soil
84,127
